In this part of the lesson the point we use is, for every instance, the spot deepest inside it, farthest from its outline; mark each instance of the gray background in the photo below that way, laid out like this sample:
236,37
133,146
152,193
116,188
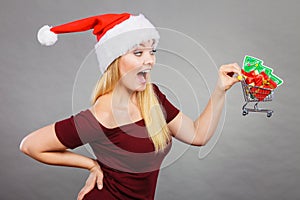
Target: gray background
255,157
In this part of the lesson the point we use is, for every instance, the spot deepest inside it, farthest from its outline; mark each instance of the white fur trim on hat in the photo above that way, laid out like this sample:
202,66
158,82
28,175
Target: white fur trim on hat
46,37
123,37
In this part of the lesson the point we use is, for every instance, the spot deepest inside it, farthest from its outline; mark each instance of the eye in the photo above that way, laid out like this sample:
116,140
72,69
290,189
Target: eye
138,53
153,51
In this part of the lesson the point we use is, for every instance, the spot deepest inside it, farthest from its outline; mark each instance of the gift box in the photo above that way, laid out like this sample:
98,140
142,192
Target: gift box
261,85
260,93
254,65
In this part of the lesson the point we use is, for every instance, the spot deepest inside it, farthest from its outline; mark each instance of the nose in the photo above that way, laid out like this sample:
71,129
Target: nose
149,59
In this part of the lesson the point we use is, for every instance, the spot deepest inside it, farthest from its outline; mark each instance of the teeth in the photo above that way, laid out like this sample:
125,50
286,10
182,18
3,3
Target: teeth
145,71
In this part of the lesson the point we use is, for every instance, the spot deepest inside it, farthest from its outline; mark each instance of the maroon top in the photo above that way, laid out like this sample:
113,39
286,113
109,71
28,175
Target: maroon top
125,153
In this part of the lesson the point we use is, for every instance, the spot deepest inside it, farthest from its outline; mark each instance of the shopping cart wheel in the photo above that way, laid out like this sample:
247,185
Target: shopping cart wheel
245,112
269,114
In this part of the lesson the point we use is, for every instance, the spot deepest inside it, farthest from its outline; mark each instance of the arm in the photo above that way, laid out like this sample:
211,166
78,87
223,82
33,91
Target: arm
199,132
44,146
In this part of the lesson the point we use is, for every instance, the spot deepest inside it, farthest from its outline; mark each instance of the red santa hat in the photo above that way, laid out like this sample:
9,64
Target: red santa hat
116,34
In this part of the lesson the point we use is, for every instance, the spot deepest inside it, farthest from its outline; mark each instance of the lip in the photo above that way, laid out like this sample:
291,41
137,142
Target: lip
145,70
145,74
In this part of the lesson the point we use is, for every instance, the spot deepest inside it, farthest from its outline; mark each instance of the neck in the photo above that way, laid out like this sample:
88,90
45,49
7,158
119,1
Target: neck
122,97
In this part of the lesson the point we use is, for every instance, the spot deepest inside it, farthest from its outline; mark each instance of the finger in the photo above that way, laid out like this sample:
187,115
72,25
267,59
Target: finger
231,70
90,182
86,189
100,185
232,79
230,84
89,185
80,195
100,181
234,67
83,192
235,80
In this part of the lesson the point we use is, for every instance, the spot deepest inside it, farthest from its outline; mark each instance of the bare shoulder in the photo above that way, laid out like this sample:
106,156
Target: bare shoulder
102,104
102,109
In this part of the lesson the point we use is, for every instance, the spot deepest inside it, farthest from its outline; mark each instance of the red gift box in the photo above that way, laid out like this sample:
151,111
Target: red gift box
267,82
260,93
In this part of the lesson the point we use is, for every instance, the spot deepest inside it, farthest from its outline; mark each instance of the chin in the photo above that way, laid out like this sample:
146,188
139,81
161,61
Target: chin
140,88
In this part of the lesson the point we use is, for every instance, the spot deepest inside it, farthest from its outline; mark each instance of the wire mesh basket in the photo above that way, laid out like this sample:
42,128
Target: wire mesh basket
256,94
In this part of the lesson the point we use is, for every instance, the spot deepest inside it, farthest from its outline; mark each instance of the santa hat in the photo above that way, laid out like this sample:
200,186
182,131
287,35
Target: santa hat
116,34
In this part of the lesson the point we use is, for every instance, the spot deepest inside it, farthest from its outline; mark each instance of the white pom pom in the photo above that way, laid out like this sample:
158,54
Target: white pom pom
46,36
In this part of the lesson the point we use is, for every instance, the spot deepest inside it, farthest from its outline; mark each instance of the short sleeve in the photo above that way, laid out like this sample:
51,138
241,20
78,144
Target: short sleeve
76,130
169,110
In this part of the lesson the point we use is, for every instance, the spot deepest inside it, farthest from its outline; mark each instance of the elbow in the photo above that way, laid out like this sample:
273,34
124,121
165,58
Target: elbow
201,137
24,146
27,147
199,142
203,143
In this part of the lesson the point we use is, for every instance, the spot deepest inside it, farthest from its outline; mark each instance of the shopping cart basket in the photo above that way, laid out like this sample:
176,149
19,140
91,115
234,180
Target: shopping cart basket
256,94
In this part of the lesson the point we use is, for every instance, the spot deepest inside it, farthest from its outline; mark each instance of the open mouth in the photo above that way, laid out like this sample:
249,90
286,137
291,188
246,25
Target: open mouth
142,75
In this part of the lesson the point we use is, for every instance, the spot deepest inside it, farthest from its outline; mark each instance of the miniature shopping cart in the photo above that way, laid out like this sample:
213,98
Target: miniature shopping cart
256,94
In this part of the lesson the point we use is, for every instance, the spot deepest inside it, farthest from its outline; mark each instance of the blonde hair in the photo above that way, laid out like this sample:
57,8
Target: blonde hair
147,102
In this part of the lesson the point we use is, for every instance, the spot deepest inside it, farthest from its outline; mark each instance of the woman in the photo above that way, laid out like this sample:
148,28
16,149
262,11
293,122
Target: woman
131,123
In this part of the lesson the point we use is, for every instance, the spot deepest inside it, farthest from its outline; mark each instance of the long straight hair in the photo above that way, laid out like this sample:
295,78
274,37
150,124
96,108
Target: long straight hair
147,103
